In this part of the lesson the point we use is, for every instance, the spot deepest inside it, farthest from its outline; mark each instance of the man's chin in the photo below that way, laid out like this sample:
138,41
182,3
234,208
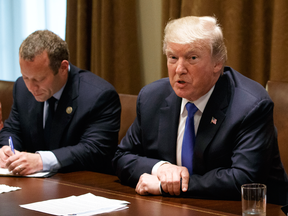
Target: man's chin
181,93
40,98
184,94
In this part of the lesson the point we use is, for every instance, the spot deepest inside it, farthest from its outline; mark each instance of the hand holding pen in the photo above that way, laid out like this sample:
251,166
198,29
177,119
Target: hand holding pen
6,152
20,163
11,145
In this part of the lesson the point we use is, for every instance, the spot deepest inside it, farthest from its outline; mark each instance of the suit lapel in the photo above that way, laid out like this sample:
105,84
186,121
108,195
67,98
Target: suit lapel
168,127
35,117
66,108
212,118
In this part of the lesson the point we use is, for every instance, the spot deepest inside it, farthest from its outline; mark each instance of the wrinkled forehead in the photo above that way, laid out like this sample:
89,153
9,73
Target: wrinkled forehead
196,46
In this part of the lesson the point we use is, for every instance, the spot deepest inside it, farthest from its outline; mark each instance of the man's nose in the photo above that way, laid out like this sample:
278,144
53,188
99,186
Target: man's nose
181,66
32,87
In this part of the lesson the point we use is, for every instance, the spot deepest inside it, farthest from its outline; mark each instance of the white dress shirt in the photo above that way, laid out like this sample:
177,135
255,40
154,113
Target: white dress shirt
200,104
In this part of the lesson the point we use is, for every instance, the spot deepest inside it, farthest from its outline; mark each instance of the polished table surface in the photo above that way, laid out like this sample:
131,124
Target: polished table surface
78,183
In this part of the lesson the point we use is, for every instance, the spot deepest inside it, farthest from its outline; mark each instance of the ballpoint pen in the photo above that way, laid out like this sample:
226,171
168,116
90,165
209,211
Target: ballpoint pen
11,144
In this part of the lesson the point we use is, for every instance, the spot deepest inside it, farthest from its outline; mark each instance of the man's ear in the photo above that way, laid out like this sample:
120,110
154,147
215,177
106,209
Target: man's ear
218,66
64,67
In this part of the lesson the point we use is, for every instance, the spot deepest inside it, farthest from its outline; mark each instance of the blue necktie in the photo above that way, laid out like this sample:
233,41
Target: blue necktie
189,138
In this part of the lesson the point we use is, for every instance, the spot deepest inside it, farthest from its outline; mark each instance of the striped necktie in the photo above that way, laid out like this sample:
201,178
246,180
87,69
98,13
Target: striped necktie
48,123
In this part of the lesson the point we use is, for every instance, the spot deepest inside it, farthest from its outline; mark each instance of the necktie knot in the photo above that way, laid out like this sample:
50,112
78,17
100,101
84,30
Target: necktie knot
191,108
51,101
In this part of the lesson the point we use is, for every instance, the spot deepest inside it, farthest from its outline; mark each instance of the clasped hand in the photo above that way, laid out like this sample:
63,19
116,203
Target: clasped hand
20,163
170,177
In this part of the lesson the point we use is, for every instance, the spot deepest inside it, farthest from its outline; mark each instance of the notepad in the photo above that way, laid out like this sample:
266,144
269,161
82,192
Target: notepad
83,205
6,172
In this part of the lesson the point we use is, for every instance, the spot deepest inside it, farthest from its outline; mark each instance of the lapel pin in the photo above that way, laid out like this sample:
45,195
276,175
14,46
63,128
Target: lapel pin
69,110
213,121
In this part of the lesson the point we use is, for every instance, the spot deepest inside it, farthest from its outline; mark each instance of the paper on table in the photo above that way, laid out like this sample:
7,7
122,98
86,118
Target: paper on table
6,188
84,205
6,172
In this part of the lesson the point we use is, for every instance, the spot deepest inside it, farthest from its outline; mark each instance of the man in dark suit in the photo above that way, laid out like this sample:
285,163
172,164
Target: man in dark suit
235,142
79,132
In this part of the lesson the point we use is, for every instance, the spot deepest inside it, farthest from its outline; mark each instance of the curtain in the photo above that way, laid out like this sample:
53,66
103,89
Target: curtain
255,32
18,19
102,37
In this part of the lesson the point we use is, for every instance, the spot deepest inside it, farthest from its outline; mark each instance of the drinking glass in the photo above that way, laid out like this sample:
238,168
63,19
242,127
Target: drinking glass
253,199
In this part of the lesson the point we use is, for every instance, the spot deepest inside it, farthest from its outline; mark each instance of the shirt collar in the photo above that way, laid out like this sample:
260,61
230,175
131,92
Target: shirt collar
199,103
58,94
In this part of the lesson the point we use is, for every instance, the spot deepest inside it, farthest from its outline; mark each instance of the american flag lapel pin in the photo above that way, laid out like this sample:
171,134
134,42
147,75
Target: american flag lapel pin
213,121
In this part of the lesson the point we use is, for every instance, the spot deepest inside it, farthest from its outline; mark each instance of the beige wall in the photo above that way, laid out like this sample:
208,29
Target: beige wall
150,39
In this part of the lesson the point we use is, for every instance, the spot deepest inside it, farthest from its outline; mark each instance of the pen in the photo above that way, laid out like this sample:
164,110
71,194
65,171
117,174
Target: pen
11,144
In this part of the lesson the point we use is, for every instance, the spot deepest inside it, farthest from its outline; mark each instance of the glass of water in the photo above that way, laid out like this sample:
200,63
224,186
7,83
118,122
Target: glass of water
253,199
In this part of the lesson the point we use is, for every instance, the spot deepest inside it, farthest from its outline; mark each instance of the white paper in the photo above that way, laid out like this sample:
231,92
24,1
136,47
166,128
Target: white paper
6,172
6,188
84,205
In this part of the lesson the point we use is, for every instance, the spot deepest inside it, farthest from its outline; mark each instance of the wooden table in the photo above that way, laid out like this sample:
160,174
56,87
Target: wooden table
77,183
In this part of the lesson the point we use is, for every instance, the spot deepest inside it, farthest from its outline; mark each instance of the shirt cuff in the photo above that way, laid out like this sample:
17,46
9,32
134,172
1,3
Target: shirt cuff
49,160
156,166
160,187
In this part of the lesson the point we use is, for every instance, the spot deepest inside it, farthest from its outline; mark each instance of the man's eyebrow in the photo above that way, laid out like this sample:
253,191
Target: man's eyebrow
189,52
169,51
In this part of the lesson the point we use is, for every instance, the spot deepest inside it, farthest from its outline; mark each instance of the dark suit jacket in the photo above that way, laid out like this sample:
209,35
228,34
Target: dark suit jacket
85,139
240,148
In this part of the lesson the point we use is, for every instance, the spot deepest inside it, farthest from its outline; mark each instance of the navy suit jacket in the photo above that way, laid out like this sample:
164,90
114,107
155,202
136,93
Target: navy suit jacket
85,139
240,148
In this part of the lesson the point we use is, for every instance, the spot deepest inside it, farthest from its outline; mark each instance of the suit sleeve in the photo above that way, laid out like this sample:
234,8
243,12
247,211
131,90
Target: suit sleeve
12,125
99,135
130,161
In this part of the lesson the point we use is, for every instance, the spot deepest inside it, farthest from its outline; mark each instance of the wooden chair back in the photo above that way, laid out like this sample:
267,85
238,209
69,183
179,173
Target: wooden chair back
6,98
278,92
128,113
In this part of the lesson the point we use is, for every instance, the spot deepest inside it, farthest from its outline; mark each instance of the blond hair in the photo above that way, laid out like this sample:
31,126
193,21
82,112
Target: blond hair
192,29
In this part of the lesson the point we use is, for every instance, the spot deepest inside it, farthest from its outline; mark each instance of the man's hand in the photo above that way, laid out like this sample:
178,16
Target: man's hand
23,163
170,176
148,184
5,153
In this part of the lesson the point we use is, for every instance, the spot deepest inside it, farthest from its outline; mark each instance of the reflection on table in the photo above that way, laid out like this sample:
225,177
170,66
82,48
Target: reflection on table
77,183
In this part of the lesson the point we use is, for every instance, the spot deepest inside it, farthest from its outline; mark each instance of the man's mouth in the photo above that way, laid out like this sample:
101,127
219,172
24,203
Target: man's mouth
181,82
37,95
